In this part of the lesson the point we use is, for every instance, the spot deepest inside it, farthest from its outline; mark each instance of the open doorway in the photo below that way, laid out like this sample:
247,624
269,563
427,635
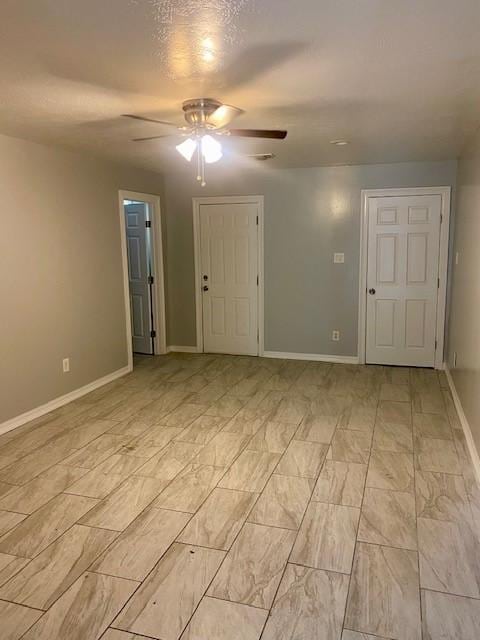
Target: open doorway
142,255
138,228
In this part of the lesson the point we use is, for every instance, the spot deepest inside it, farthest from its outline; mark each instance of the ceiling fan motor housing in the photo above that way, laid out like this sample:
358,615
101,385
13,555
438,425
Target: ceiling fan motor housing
197,110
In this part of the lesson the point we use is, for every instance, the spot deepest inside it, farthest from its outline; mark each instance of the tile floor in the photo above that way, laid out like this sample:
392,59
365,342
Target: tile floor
218,497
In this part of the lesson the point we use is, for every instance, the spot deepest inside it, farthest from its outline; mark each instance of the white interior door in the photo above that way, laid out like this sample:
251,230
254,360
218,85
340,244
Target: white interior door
138,252
229,263
402,279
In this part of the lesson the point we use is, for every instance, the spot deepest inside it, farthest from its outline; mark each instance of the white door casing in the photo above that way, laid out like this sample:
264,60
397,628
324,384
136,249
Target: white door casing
228,274
402,279
139,267
158,289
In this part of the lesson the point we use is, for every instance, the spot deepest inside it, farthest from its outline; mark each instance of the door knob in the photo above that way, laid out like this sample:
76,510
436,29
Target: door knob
205,277
372,292
205,288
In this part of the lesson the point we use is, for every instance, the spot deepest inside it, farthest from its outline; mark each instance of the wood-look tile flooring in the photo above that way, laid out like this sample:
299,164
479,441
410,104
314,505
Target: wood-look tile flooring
233,498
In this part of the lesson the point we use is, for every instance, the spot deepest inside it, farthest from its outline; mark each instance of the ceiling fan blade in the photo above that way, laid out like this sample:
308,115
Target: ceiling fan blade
259,133
261,156
223,115
151,138
130,115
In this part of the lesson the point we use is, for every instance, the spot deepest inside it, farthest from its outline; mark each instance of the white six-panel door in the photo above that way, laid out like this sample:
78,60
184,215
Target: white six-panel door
229,277
402,279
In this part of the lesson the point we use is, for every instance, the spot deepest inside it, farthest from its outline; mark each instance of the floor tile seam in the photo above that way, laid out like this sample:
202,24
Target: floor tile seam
415,493
21,604
355,548
41,507
306,511
150,572
225,551
53,542
449,593
243,604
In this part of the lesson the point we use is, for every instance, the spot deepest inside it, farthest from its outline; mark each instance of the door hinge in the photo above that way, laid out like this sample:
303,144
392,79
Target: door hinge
150,279
148,223
257,281
257,219
438,283
436,343
153,334
441,218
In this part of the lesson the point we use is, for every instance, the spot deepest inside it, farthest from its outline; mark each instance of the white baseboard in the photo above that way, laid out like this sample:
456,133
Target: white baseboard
472,449
17,421
281,354
314,357
173,348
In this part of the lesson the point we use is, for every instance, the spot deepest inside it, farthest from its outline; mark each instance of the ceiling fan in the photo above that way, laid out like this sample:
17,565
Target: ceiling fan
204,117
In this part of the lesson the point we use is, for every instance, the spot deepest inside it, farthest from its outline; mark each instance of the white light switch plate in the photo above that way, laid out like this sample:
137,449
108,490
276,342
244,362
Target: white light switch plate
339,257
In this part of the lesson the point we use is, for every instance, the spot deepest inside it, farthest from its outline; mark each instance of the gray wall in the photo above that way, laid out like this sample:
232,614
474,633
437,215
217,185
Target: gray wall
60,263
309,215
464,325
61,287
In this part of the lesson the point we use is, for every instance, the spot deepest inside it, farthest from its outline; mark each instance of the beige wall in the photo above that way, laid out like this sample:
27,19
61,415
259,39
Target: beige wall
61,287
464,325
309,215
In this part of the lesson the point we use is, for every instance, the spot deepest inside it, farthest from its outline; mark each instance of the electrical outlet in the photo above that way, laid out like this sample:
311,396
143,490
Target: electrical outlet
339,258
66,365
336,335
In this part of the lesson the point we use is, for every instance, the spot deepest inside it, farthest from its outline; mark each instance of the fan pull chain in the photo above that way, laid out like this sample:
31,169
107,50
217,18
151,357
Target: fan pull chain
200,164
203,183
199,161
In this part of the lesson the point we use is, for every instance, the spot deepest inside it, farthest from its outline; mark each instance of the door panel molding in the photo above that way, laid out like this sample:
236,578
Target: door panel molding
417,216
160,339
196,203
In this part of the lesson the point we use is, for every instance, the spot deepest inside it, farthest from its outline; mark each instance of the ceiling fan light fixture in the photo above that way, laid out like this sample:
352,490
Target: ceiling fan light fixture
187,148
205,116
211,149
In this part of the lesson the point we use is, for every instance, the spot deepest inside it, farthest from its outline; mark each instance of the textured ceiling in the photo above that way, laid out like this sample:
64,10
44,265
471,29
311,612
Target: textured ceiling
400,79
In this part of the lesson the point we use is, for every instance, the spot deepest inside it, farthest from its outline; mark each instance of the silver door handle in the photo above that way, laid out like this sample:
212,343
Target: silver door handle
205,288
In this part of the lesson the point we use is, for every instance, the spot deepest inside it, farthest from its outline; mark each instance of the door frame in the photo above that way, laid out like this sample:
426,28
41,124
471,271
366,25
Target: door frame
445,193
158,290
197,202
